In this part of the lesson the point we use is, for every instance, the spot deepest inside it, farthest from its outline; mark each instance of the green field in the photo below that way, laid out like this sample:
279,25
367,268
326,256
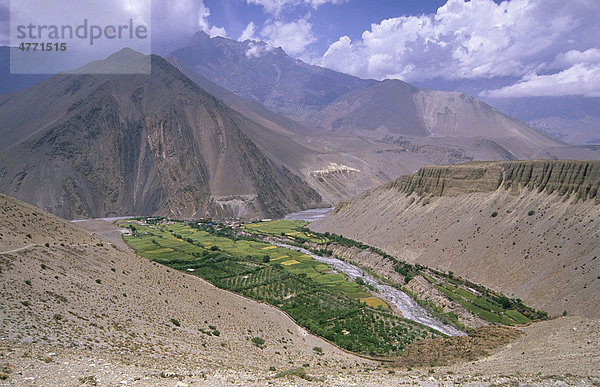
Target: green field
488,305
323,301
294,230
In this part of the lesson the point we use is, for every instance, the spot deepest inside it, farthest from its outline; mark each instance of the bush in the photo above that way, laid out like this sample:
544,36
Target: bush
175,322
318,350
258,341
532,212
266,259
215,248
494,214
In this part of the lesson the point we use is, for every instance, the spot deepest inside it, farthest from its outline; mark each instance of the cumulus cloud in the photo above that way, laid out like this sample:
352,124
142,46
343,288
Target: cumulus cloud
277,7
203,14
293,37
580,79
477,39
248,33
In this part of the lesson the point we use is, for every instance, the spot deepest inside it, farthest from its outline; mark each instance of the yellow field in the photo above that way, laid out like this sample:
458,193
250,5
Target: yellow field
290,262
269,247
374,302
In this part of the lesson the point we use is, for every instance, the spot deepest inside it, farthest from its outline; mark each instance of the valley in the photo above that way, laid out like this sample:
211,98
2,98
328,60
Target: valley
241,215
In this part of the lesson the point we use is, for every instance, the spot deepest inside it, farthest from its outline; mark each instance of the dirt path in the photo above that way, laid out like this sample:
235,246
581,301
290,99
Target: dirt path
20,248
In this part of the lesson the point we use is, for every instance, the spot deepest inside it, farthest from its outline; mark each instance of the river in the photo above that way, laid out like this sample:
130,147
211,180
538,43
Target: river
409,308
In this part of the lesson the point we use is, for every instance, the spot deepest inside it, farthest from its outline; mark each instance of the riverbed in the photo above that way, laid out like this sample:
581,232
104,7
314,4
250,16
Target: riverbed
409,307
309,215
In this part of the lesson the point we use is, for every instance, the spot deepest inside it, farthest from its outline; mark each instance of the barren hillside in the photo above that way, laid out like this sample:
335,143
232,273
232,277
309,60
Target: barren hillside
529,229
83,293
83,310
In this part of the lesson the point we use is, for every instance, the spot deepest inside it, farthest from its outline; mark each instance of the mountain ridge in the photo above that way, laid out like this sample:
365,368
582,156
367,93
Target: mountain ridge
526,228
140,144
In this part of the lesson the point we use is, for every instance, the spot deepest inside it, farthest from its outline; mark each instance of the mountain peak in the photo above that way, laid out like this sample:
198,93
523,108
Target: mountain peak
124,61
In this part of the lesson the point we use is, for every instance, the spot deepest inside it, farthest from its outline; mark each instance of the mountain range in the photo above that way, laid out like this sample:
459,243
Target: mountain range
236,129
133,144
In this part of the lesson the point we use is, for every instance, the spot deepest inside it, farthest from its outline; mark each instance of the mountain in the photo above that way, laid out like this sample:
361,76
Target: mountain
266,75
390,110
101,145
572,119
253,110
527,228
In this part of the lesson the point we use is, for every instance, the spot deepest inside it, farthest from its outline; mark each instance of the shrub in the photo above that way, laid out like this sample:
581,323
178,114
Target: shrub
532,212
258,341
318,350
494,214
215,248
175,322
98,281
57,317
266,259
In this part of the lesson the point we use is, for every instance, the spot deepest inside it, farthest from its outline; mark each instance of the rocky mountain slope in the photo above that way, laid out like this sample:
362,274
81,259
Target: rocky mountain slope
529,229
266,75
101,145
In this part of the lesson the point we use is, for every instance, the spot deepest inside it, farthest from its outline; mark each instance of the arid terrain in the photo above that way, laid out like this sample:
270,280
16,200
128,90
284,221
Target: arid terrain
84,309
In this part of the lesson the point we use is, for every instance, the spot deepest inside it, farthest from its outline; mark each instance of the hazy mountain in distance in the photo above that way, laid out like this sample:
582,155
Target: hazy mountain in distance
396,108
572,119
393,108
250,109
349,105
100,145
266,75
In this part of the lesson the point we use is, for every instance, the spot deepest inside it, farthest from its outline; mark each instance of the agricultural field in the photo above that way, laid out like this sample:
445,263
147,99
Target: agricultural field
318,298
293,230
485,303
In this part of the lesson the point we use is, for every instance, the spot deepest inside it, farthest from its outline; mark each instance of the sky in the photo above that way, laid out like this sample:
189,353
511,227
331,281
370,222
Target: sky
515,48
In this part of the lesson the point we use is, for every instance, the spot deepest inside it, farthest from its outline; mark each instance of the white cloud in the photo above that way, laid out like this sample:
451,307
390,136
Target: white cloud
580,79
476,39
570,58
293,37
203,14
277,7
248,33
257,49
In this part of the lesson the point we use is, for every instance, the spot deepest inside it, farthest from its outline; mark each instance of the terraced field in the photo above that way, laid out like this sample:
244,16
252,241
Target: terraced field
318,298
488,305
